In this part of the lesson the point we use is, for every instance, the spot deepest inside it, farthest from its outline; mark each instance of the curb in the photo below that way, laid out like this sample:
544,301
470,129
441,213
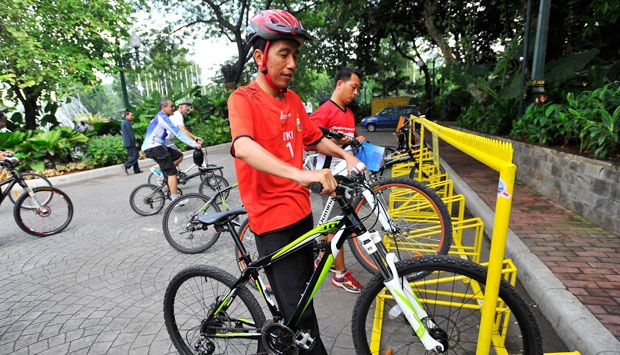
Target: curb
571,320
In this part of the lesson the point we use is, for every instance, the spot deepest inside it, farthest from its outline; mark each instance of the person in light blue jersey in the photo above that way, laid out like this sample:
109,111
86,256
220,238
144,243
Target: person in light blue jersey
154,144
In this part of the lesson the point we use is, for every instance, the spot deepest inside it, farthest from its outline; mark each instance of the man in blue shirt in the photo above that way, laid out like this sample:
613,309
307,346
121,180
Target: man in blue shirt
154,144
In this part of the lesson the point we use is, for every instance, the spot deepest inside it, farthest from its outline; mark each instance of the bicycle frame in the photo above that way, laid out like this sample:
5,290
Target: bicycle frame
398,287
15,176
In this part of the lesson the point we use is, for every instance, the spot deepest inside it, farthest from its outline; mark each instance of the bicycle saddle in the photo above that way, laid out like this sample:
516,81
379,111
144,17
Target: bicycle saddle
220,218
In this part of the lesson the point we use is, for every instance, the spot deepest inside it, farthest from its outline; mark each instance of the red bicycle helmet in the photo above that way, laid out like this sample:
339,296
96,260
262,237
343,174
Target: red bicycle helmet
273,25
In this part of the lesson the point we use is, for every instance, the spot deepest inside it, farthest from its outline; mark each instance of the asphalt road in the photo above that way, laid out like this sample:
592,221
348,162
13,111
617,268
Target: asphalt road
97,288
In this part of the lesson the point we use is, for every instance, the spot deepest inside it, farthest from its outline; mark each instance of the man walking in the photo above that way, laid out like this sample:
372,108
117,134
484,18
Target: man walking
129,141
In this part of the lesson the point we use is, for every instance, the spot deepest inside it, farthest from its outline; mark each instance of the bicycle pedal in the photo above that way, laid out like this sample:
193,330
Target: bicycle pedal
304,340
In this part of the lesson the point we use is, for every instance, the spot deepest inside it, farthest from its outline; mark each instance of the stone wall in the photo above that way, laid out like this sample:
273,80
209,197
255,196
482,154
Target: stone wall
588,187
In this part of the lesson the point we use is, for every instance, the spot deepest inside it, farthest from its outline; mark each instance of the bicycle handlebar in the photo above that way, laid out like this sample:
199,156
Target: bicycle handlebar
337,135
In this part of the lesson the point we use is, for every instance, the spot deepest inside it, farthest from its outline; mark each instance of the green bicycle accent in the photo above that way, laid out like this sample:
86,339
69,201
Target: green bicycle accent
420,329
320,229
324,272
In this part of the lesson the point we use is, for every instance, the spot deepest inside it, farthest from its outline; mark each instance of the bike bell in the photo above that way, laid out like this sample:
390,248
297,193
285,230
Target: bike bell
198,156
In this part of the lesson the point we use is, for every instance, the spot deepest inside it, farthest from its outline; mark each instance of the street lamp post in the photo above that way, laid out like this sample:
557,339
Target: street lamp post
134,41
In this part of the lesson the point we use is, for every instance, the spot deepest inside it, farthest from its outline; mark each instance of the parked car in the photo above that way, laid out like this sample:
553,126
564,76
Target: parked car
388,117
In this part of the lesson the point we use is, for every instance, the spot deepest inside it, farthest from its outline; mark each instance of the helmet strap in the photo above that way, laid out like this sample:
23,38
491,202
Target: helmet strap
263,69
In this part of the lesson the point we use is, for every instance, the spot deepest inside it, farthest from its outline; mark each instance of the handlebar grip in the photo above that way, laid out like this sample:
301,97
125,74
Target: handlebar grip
316,187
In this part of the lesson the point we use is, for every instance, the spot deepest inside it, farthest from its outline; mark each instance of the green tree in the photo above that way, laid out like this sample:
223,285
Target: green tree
50,48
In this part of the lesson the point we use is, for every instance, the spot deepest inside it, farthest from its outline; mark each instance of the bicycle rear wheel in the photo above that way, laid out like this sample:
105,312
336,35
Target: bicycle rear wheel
48,211
33,180
452,296
212,184
194,296
147,200
420,220
181,227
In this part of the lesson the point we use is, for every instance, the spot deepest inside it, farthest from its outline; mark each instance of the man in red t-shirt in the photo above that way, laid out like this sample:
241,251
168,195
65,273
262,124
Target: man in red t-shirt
270,127
335,115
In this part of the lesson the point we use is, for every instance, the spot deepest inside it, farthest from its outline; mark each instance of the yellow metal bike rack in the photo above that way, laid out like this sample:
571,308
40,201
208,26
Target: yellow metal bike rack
498,156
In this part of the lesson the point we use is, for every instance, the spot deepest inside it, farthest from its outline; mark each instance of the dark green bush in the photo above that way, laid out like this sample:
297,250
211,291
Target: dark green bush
105,151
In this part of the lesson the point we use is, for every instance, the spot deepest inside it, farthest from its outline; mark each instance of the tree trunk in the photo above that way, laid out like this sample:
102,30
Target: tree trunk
29,98
435,33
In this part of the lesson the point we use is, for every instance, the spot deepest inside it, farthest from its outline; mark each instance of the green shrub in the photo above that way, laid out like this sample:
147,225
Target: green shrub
105,151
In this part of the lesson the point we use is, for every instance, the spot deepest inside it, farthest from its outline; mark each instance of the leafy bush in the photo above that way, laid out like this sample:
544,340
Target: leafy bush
598,114
105,151
591,120
39,150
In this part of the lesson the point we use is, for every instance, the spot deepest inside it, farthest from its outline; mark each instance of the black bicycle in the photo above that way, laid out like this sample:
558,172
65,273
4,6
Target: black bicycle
39,211
32,179
209,311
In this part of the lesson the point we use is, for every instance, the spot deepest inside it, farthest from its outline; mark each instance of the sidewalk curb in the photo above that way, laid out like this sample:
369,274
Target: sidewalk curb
571,320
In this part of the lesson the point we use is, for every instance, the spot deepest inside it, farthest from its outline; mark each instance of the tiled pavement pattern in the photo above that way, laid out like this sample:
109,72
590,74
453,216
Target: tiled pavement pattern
97,288
582,255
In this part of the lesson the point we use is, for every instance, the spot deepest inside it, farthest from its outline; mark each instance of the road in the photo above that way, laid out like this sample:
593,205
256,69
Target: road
97,288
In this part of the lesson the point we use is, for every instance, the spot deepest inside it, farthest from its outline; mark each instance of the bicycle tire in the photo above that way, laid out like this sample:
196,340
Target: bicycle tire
32,179
55,216
147,200
214,184
189,300
152,179
452,300
408,196
181,227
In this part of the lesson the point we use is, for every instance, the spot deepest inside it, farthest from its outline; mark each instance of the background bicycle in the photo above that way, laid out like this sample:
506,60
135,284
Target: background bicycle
32,179
39,211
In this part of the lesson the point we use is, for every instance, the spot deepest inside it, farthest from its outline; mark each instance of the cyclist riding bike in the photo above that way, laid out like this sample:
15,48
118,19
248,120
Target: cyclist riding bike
154,144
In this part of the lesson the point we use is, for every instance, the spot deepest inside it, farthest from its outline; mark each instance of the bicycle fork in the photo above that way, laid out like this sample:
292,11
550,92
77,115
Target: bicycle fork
400,289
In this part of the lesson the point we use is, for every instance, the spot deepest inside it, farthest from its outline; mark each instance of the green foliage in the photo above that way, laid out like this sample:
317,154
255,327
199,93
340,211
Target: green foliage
51,47
105,151
590,119
214,130
38,150
598,114
541,125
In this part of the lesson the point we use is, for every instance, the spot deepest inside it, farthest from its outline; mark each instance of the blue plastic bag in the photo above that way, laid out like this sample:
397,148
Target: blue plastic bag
371,155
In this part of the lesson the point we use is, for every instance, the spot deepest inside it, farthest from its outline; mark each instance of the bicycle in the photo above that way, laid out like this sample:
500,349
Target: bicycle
184,174
40,211
208,311
411,215
181,226
32,179
409,150
149,199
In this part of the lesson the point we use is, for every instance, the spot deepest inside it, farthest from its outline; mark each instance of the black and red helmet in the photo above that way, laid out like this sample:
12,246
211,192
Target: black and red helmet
272,25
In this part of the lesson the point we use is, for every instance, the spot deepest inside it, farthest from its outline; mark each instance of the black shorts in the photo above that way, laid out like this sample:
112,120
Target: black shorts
165,157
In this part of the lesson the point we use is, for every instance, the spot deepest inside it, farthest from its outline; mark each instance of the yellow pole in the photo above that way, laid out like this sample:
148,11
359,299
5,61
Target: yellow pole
496,257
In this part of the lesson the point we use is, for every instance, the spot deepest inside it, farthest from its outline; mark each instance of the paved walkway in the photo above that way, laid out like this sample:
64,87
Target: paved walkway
582,255
97,287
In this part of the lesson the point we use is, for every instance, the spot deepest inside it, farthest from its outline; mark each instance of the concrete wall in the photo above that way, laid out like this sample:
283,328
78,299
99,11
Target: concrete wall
588,187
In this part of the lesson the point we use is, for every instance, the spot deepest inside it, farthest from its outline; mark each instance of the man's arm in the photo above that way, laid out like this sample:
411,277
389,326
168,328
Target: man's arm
187,133
260,159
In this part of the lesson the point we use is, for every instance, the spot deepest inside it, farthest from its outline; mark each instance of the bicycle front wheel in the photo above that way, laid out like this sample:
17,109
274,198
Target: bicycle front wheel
48,211
419,221
147,200
181,227
33,180
199,323
452,296
213,184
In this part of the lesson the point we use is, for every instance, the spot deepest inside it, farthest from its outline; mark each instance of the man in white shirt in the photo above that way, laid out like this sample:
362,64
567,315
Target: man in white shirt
178,120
